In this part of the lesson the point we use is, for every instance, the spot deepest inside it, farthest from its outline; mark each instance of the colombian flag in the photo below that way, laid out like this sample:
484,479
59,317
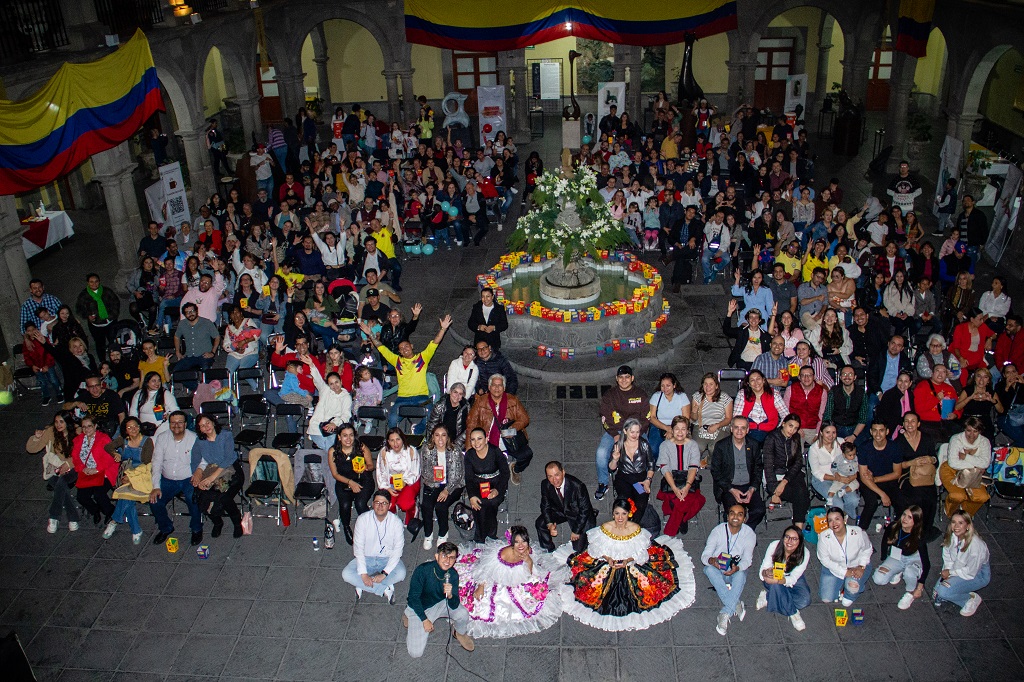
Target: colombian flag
474,25
84,109
914,25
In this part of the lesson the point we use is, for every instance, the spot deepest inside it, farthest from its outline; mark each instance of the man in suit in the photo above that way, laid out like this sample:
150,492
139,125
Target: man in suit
886,368
737,468
488,319
564,499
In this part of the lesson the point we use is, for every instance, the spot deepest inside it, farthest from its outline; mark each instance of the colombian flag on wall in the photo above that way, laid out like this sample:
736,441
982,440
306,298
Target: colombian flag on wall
914,25
474,25
84,109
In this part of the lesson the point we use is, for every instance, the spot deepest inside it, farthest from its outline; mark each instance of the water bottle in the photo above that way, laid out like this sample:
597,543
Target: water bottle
316,544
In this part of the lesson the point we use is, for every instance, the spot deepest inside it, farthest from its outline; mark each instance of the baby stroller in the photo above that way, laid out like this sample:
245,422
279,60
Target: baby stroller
344,292
126,336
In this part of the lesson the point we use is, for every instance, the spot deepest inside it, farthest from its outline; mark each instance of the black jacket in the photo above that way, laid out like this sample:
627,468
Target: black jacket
723,467
742,335
782,455
85,305
876,369
498,318
497,364
391,336
575,508
436,418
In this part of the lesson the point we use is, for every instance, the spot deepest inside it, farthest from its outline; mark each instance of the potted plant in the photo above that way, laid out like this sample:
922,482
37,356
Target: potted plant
919,134
975,179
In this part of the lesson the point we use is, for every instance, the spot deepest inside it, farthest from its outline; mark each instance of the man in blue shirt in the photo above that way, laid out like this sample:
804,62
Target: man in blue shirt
38,298
879,461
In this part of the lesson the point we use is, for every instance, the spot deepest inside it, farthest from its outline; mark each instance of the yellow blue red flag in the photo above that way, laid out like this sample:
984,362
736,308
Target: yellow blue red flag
913,26
479,27
83,109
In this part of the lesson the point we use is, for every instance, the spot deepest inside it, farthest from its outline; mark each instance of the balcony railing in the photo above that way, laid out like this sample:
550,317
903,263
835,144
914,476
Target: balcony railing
208,6
123,17
28,27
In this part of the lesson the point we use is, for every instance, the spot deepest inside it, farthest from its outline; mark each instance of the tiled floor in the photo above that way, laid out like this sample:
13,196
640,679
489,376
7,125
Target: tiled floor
269,607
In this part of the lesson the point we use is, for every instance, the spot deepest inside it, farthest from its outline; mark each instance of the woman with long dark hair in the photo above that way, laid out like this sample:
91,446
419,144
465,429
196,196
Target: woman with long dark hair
218,474
152,403
352,470
784,468
782,574
55,441
905,556
763,407
443,475
487,476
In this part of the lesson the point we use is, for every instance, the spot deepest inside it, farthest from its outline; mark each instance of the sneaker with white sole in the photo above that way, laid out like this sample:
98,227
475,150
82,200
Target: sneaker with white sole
72,526
905,601
51,526
798,622
971,606
846,602
442,538
723,624
389,594
428,541
741,611
136,538
896,578
109,530
762,600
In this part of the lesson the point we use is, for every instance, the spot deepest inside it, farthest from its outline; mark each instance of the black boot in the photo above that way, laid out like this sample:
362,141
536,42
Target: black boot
218,526
348,533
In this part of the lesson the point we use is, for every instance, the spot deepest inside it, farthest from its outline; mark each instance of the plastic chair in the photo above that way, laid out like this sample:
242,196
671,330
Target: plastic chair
731,380
309,491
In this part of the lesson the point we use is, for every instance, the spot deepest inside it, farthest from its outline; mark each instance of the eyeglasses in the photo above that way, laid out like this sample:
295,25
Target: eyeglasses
88,426
381,503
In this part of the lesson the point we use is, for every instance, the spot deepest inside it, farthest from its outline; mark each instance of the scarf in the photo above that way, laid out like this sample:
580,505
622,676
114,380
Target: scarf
499,410
101,309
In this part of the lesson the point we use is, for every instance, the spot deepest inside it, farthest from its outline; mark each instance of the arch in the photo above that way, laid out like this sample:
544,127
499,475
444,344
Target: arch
183,113
216,83
980,71
770,11
304,16
355,63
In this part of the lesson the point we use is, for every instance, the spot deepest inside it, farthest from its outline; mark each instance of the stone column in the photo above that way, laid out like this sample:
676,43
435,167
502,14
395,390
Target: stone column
521,107
14,272
320,58
114,172
900,85
628,57
821,84
961,126
855,69
252,119
292,89
200,170
391,81
741,81
410,109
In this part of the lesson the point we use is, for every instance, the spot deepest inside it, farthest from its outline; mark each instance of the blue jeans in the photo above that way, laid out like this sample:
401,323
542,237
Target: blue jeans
393,417
909,566
830,586
267,184
507,197
328,335
394,268
959,590
374,565
441,234
603,456
323,442
711,271
728,587
125,511
655,437
788,600
48,382
281,154
233,364
168,489
849,502
162,318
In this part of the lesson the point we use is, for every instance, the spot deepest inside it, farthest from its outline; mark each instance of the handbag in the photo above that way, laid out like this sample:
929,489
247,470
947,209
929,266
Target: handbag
922,475
1015,416
968,478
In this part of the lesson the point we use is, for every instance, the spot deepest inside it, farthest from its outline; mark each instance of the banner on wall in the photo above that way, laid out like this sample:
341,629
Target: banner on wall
949,166
490,102
796,93
609,94
168,204
1005,215
550,80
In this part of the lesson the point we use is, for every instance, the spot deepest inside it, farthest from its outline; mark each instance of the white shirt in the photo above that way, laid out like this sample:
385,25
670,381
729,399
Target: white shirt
964,563
172,459
459,373
981,458
836,557
723,541
711,229
793,575
406,463
145,412
335,407
378,538
995,307
819,460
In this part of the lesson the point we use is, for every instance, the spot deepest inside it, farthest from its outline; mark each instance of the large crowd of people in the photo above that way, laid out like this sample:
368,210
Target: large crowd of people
874,375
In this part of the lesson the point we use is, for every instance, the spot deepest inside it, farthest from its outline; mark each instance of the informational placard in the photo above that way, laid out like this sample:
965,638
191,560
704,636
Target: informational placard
608,94
796,93
175,200
1004,217
490,101
550,80
949,166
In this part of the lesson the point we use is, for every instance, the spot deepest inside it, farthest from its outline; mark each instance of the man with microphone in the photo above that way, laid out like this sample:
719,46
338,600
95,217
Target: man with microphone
434,594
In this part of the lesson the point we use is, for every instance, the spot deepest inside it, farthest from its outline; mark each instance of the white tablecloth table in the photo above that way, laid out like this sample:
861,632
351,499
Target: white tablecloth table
38,236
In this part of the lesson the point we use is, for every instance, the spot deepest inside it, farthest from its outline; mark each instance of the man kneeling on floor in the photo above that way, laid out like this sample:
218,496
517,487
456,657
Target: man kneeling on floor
434,594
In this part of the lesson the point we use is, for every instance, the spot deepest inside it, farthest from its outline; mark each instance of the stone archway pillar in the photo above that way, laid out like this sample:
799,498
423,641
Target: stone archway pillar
14,272
114,172
394,105
899,102
200,169
293,91
741,81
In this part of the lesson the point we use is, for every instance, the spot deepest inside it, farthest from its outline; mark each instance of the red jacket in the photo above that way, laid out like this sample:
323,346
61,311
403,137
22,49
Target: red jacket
38,356
105,464
882,265
305,378
345,371
928,400
1009,349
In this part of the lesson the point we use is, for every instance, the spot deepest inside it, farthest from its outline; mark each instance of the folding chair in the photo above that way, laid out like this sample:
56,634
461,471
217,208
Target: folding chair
412,415
289,441
220,374
23,372
376,415
184,376
255,373
731,380
265,488
218,409
254,421
309,491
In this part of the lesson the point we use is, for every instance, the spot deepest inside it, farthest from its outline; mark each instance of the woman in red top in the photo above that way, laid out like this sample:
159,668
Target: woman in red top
42,362
763,407
971,339
928,397
97,471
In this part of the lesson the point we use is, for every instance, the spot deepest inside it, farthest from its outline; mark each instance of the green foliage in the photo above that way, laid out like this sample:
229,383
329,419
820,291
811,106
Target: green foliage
919,127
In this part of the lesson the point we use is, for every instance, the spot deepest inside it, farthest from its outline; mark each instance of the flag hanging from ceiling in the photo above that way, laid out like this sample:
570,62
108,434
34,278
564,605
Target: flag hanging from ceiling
477,26
82,110
913,26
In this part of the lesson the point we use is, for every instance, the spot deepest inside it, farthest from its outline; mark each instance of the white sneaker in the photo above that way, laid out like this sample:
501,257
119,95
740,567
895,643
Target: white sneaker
895,579
798,622
51,526
109,530
762,600
741,611
136,538
905,601
359,594
428,541
846,602
72,526
971,606
442,538
389,594
723,624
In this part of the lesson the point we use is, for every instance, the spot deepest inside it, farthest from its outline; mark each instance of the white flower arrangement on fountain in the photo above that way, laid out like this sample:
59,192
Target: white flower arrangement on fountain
570,218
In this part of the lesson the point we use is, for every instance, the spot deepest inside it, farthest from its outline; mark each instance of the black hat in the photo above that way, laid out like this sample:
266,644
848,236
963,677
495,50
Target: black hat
624,369
372,292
